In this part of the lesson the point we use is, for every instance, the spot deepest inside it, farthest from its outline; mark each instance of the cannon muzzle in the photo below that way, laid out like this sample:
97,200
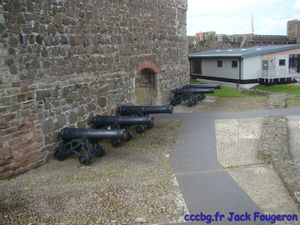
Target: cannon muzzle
144,110
100,121
214,86
193,91
69,133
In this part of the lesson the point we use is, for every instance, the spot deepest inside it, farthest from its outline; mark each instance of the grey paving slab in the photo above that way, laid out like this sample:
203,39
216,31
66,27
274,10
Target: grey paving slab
222,193
195,149
205,186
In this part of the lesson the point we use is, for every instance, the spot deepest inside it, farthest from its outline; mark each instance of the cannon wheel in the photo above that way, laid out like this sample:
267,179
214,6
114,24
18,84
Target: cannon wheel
176,99
84,160
116,142
140,129
191,101
128,136
151,125
99,151
59,153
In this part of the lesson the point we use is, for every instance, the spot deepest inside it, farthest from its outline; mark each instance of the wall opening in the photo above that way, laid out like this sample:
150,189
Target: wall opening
146,87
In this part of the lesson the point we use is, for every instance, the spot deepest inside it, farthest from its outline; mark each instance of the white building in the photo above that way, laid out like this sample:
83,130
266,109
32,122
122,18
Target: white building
264,64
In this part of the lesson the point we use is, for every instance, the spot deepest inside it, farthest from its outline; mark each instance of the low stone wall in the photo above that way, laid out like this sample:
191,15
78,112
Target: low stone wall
253,91
275,100
274,149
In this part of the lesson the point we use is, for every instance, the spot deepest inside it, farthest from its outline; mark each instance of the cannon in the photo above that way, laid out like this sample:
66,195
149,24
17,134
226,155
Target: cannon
85,143
123,122
190,95
214,86
133,110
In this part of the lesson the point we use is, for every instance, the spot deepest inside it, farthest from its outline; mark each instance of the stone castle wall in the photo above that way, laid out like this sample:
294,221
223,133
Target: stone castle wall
63,61
293,30
211,41
204,41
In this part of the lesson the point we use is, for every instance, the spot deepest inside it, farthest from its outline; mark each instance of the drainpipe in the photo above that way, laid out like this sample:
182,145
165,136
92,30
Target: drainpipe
190,68
240,72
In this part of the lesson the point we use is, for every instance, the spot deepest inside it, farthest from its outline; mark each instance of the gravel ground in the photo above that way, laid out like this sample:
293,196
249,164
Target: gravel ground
237,144
219,104
133,184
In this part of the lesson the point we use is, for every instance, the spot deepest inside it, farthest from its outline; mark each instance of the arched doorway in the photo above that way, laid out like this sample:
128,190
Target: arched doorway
146,87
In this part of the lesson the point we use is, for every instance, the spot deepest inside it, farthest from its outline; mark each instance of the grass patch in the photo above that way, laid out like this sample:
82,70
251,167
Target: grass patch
283,88
227,92
232,93
194,81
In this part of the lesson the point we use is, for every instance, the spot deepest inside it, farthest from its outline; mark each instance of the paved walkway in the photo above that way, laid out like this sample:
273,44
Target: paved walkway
205,185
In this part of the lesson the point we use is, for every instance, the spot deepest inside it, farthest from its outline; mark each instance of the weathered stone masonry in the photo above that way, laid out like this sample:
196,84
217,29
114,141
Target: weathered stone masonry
63,61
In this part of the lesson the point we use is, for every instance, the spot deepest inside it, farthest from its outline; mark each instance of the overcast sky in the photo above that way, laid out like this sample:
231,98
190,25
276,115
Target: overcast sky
233,16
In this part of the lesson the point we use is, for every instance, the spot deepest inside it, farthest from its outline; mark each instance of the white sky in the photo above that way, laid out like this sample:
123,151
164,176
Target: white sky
233,16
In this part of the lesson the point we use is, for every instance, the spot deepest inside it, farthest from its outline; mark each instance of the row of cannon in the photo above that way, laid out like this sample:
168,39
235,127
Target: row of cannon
85,142
191,94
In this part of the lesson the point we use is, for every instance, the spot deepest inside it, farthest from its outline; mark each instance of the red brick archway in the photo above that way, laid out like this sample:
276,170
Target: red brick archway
145,64
146,83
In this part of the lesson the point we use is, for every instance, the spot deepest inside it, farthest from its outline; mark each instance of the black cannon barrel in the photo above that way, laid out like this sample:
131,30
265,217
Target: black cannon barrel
69,133
134,109
214,86
193,90
100,121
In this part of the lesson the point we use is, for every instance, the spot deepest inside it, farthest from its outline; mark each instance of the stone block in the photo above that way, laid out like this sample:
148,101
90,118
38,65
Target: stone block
61,121
72,117
41,95
39,39
81,111
13,69
13,41
91,107
4,125
48,41
64,40
44,52
9,61
11,51
81,124
102,102
21,97
51,29
48,126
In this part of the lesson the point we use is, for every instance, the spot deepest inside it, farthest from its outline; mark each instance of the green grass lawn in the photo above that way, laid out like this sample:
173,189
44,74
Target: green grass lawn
193,81
227,92
283,88
231,93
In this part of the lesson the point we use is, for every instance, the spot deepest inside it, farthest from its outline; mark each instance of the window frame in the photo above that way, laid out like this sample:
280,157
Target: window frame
219,63
234,62
280,62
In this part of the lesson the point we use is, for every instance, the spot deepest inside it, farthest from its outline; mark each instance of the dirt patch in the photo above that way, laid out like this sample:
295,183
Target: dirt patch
219,104
133,184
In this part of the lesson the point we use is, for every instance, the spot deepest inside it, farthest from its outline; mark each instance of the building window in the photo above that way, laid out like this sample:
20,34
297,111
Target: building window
219,63
281,62
234,64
